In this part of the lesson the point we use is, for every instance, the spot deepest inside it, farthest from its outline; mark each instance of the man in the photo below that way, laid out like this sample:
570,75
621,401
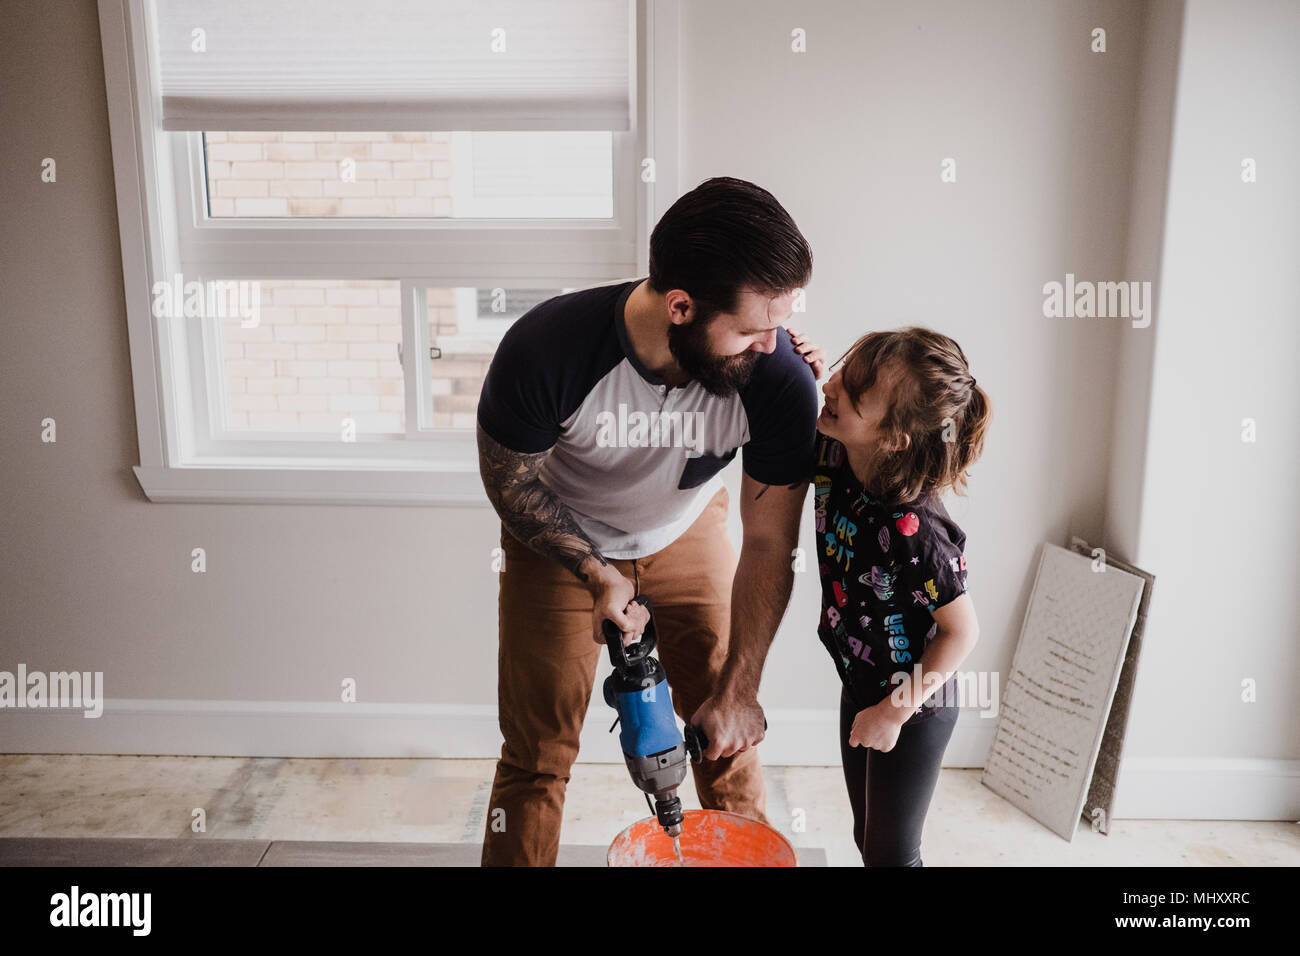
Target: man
604,421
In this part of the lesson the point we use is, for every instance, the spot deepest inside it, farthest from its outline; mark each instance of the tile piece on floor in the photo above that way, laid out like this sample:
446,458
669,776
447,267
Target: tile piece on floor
129,851
356,853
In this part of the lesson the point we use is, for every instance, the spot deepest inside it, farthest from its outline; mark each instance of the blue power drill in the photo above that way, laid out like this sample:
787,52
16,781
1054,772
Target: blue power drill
657,754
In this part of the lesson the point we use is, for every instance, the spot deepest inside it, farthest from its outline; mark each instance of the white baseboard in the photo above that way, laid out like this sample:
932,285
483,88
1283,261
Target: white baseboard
1149,787
1207,788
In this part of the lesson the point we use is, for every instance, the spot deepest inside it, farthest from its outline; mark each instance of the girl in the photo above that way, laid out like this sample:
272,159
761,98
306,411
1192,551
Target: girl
903,420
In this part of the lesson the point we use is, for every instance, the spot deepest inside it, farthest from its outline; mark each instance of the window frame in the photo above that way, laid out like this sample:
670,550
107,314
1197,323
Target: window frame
163,226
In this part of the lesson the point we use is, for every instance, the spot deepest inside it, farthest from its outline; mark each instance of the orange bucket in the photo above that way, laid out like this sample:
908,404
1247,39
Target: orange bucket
709,838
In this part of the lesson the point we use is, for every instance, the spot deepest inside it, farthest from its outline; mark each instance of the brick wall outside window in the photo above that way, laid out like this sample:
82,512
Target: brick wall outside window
300,174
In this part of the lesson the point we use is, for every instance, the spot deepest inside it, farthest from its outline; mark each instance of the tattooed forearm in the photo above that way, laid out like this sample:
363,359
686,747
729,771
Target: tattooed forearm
529,510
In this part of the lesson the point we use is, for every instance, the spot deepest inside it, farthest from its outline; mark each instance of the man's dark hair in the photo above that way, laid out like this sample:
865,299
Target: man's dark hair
723,236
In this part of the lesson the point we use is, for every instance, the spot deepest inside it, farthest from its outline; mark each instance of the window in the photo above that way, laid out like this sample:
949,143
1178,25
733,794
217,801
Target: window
331,211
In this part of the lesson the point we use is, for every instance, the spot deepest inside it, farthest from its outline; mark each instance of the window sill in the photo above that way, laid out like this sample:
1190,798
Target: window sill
448,485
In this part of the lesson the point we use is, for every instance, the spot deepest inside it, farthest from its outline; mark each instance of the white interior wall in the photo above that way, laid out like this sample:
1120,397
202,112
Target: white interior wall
1218,517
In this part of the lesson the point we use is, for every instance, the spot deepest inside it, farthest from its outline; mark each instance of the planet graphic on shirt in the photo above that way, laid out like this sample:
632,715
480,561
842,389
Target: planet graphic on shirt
907,524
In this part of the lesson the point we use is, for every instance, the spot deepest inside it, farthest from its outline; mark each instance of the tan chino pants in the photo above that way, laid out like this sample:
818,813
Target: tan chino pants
547,666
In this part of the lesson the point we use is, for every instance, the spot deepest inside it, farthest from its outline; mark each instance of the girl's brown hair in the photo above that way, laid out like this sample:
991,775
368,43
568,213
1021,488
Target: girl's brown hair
936,404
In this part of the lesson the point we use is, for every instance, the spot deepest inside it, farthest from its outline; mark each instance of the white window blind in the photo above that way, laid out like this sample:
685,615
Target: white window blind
347,65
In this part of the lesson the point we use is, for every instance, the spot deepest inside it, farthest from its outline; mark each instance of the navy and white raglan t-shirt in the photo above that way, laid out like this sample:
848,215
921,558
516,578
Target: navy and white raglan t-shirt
634,460
884,570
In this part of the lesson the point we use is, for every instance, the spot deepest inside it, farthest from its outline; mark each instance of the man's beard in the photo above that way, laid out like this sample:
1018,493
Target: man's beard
719,374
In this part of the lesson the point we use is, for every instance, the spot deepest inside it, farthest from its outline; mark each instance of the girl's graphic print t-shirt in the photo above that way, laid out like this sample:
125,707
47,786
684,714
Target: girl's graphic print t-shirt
884,569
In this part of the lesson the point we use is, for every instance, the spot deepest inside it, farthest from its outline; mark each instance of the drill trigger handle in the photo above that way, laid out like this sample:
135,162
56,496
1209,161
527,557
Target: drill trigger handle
621,657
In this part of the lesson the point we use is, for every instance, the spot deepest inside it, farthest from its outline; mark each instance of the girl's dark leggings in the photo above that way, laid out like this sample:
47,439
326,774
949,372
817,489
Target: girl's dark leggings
890,792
